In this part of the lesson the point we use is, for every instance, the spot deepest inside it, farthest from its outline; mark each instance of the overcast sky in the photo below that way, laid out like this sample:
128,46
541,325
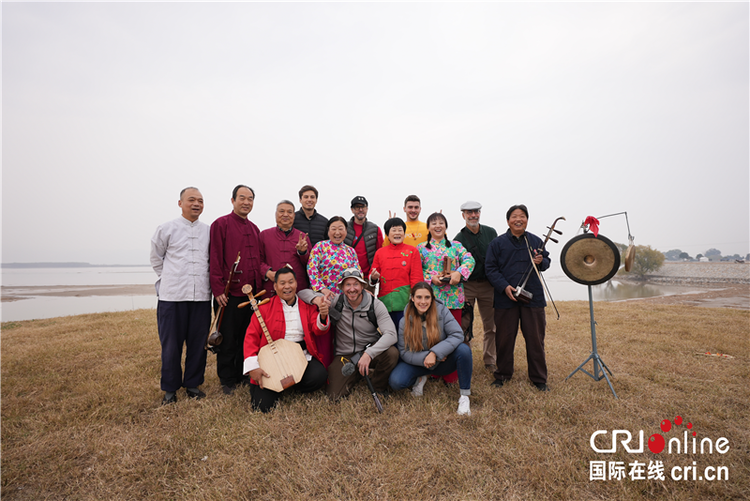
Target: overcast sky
109,110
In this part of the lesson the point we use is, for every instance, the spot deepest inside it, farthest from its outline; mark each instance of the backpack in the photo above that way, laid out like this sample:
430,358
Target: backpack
339,307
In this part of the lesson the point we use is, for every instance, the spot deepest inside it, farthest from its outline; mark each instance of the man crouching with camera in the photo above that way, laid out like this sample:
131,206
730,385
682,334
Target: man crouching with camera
519,297
359,319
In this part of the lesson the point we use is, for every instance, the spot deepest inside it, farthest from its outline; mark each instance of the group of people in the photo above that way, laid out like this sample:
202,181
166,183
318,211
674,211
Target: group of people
389,306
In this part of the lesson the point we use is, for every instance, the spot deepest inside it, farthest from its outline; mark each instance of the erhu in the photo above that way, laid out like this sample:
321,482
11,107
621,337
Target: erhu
214,336
521,294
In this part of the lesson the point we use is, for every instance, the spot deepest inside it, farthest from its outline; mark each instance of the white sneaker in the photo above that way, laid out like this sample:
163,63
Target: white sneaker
464,407
418,389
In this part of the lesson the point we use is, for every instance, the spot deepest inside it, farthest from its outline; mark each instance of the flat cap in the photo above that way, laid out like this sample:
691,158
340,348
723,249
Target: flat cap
471,206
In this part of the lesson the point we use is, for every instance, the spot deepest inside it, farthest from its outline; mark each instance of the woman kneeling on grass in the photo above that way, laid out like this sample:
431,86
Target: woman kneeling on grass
430,342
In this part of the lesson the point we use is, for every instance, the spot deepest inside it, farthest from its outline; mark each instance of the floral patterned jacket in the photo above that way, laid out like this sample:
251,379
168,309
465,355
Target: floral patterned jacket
327,262
461,260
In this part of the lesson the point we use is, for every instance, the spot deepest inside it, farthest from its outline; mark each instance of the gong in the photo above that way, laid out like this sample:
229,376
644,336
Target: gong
590,260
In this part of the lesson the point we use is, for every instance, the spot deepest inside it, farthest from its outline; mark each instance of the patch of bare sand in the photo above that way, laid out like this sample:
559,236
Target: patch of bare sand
16,293
726,296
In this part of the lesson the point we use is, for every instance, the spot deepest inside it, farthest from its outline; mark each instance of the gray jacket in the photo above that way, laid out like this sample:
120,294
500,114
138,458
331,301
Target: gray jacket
451,335
354,331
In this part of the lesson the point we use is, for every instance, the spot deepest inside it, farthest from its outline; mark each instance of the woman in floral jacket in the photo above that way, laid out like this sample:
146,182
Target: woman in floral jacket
329,258
448,288
436,253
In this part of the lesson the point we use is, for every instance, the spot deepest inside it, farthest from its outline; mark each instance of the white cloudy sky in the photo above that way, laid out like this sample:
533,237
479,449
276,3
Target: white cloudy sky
573,109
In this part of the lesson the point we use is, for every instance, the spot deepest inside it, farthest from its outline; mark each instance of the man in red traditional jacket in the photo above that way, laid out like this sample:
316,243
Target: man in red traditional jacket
284,245
288,318
231,234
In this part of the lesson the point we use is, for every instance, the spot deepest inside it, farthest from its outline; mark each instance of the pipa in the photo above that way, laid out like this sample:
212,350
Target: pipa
283,360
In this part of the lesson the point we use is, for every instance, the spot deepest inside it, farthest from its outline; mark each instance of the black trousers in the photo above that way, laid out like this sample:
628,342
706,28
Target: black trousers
533,323
230,355
313,379
183,323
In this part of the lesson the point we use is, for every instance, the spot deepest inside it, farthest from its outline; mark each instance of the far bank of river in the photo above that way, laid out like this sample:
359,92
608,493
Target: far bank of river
690,273
46,293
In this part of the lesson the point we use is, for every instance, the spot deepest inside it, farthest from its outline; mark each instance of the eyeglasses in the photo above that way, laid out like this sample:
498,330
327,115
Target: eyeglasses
473,211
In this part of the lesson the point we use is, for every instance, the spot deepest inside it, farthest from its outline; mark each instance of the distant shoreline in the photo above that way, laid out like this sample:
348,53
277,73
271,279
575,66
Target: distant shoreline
69,265
20,292
695,274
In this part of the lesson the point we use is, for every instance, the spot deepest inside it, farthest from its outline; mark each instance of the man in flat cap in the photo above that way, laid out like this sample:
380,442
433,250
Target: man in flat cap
477,289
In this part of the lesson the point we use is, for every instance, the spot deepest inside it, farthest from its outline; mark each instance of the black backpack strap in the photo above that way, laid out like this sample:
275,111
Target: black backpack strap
371,313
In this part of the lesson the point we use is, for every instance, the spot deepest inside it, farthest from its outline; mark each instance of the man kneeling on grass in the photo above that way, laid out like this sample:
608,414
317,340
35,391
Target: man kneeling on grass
359,319
287,318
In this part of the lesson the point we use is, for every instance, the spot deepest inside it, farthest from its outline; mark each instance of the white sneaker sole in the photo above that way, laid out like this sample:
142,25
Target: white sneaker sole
418,389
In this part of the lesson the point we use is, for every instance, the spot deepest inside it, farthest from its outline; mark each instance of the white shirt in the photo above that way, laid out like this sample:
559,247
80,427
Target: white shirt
294,333
179,256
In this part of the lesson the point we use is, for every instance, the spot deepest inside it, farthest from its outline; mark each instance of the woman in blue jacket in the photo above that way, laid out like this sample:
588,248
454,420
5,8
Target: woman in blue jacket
430,342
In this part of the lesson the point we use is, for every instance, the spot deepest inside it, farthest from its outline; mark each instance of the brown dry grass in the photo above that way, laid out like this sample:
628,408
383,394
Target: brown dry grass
81,419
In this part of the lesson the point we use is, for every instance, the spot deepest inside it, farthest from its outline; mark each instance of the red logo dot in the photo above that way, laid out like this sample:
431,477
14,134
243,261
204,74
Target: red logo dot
689,425
666,425
656,443
678,420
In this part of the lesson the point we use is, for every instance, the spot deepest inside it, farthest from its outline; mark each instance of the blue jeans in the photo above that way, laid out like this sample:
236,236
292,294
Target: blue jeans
405,375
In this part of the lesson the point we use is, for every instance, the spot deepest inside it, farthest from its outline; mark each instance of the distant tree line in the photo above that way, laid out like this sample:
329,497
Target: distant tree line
712,255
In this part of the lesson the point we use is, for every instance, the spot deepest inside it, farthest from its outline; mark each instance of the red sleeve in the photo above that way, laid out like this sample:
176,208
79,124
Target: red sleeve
264,267
415,268
252,337
376,263
216,257
380,238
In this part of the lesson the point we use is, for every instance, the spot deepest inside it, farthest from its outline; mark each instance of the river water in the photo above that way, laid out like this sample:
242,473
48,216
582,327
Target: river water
560,286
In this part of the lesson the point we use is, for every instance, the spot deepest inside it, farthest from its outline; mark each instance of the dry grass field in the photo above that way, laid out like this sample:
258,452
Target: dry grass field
81,419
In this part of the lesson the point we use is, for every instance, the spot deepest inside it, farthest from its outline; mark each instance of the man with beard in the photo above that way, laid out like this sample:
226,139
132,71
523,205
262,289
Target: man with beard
416,230
308,220
355,314
363,236
477,290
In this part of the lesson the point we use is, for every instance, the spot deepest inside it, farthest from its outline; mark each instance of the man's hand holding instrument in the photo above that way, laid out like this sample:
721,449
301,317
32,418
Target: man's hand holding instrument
282,362
214,336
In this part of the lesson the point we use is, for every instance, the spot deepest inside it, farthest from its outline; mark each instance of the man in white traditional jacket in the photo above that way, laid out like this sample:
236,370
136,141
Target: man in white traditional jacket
179,256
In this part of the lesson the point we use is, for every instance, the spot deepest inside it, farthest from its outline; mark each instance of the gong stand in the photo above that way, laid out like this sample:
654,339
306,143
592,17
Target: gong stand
598,362
591,260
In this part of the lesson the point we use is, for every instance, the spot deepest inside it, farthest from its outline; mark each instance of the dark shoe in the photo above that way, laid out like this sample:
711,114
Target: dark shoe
498,382
169,398
195,393
541,386
228,390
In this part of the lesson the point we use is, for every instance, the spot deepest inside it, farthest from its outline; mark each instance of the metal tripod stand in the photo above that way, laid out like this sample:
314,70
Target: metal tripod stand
598,362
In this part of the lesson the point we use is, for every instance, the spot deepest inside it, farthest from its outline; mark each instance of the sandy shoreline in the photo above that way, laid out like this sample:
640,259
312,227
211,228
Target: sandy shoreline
714,295
16,293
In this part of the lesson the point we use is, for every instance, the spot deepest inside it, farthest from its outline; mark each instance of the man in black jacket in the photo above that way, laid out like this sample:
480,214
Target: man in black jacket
509,260
307,219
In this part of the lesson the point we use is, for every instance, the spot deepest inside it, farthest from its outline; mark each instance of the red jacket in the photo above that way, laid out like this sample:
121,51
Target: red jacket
277,249
318,341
